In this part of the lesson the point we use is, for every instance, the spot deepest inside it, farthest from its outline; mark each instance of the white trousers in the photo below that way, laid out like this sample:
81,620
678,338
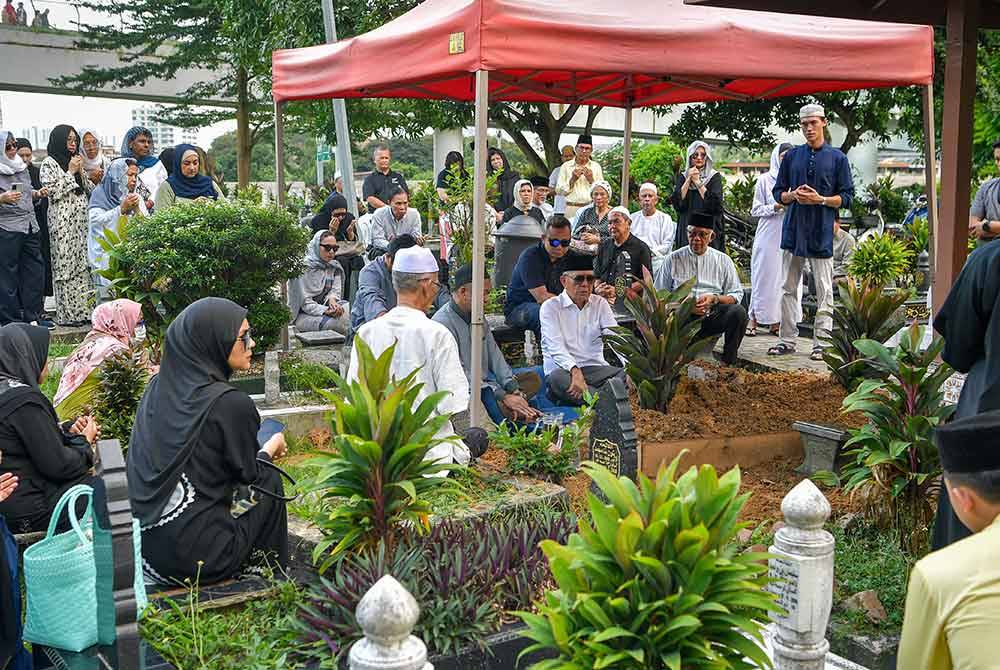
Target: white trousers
791,300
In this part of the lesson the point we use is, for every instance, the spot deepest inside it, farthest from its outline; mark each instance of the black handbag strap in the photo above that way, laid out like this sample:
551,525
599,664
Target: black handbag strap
272,494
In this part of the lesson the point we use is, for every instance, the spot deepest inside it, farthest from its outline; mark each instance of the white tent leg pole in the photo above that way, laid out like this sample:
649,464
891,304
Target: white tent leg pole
478,245
930,172
626,155
345,162
279,174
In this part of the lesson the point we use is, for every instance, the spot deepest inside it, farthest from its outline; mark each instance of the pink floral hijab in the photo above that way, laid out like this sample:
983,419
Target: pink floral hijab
113,325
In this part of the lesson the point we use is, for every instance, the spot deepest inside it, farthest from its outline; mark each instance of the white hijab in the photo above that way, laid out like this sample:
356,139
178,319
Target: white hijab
91,164
708,171
524,207
9,166
776,158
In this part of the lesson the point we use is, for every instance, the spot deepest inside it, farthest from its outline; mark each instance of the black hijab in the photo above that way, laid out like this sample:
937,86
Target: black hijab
194,372
167,160
23,352
321,220
60,153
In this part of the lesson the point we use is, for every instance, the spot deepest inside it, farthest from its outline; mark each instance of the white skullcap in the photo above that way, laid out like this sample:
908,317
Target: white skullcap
649,186
600,183
811,110
621,210
416,260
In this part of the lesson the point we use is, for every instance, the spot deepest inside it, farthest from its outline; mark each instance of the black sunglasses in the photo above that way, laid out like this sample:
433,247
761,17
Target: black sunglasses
245,339
332,248
558,243
580,279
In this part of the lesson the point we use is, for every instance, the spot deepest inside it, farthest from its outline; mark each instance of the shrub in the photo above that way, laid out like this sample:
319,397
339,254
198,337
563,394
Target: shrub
465,574
300,375
739,195
656,163
376,480
459,212
236,250
919,234
893,462
880,259
891,201
121,383
865,311
665,343
653,580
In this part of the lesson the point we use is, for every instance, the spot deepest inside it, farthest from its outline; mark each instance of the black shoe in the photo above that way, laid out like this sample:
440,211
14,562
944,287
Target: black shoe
45,323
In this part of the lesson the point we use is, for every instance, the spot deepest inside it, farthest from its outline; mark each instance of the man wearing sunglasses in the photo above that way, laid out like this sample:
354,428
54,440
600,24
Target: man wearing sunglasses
717,290
572,326
536,276
814,181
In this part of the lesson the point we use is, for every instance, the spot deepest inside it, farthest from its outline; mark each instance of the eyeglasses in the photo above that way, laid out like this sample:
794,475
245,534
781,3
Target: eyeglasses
332,248
434,282
245,339
584,279
700,234
559,243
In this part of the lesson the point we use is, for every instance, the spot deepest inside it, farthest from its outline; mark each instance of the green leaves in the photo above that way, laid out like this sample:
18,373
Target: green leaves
650,584
880,259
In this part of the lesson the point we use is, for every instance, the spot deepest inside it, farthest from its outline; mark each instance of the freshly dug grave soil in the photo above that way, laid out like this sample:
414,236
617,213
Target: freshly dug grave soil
740,402
768,484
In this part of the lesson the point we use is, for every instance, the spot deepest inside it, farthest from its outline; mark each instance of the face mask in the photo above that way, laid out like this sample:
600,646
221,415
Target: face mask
140,333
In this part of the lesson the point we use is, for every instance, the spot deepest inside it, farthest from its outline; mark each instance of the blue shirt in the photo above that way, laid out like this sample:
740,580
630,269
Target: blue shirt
807,230
534,268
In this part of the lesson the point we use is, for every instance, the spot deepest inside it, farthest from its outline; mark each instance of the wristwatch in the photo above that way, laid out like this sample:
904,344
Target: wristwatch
823,201
986,227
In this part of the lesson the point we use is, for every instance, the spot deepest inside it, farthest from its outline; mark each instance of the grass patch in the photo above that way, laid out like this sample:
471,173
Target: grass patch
472,488
50,385
61,349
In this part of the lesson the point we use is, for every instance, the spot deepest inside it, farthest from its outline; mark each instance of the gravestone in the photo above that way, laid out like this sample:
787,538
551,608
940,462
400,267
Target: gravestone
613,442
820,445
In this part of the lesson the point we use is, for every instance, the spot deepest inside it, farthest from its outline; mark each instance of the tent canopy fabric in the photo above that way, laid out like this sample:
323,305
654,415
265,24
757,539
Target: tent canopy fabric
605,52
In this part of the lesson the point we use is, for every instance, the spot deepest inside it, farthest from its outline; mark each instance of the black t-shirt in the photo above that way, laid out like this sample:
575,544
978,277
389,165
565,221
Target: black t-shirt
534,268
614,262
381,185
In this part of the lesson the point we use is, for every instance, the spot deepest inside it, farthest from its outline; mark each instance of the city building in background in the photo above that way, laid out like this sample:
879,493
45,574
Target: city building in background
163,135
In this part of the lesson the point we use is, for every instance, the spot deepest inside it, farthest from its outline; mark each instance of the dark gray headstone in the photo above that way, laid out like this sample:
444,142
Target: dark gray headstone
613,442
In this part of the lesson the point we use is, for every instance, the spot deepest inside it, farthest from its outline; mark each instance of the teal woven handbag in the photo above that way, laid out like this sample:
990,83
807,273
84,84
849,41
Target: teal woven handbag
60,578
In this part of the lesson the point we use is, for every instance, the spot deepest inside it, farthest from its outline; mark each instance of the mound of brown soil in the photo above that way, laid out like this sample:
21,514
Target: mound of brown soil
768,483
740,402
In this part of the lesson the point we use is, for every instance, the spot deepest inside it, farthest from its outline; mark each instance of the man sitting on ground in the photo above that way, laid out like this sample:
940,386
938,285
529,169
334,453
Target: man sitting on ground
572,326
501,389
717,290
393,220
535,278
376,295
620,258
425,346
541,196
652,226
953,601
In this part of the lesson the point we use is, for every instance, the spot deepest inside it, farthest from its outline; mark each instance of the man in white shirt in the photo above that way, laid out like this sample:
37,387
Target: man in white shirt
717,290
572,325
540,196
652,226
559,201
423,345
392,220
577,176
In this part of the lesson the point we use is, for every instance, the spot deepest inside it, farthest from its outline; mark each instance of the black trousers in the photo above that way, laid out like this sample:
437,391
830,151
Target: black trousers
730,321
22,277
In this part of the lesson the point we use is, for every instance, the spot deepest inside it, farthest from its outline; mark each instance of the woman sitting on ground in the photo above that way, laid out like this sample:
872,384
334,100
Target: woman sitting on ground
186,182
523,194
45,458
316,298
115,326
201,487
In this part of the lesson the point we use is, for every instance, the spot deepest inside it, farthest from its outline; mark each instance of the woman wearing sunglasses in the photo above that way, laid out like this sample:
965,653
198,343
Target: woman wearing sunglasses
316,298
209,501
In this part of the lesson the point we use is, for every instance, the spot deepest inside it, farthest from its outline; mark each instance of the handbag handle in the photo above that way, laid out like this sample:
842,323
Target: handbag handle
70,498
271,494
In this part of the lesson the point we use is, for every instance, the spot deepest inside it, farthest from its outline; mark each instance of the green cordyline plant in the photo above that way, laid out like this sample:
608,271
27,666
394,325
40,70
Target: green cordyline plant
665,343
881,259
654,580
865,312
892,461
376,480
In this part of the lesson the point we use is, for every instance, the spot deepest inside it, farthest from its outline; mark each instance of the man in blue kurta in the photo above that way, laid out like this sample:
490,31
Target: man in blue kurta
814,182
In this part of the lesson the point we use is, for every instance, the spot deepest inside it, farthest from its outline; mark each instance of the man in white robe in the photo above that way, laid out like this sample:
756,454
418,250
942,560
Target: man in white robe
652,226
421,343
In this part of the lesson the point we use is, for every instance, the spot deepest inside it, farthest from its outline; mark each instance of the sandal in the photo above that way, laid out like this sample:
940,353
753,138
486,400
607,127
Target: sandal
781,349
817,354
751,331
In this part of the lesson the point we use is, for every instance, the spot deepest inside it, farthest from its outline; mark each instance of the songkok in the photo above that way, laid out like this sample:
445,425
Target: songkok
572,262
463,276
540,181
701,220
585,139
623,211
600,183
649,186
970,444
404,241
415,260
811,110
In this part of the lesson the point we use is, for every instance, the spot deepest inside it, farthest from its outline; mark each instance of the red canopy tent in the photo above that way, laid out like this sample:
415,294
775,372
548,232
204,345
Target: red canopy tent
599,52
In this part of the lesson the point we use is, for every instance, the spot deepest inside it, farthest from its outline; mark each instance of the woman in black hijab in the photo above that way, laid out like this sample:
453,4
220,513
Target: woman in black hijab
497,162
45,459
197,483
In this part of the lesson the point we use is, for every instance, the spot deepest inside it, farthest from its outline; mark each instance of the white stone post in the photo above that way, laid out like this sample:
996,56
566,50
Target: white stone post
387,615
805,562
272,378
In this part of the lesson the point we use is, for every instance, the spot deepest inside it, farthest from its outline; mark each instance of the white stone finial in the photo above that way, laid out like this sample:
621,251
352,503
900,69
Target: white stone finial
805,507
387,615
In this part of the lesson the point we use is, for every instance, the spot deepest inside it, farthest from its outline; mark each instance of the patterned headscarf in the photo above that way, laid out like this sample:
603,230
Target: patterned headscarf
146,161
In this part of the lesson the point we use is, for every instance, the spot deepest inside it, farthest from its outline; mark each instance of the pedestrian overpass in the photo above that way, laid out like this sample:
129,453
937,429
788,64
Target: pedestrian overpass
32,57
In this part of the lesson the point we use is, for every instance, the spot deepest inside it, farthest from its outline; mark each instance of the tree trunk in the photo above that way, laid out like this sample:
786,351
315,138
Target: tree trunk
244,146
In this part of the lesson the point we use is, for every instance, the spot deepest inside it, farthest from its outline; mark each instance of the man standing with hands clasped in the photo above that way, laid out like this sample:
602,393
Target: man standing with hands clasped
814,181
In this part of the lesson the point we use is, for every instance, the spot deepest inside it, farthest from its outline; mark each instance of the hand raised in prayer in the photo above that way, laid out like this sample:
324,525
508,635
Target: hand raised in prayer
694,175
96,176
87,427
8,482
130,203
807,195
334,310
9,197
515,407
40,193
590,238
75,163
589,174
607,291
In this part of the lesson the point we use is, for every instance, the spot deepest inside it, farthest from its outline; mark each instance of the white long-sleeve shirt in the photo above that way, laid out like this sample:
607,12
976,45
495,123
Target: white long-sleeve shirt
657,231
571,337
715,272
427,345
99,221
385,227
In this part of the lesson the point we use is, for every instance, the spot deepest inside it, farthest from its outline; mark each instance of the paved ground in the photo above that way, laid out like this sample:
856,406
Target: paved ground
754,351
